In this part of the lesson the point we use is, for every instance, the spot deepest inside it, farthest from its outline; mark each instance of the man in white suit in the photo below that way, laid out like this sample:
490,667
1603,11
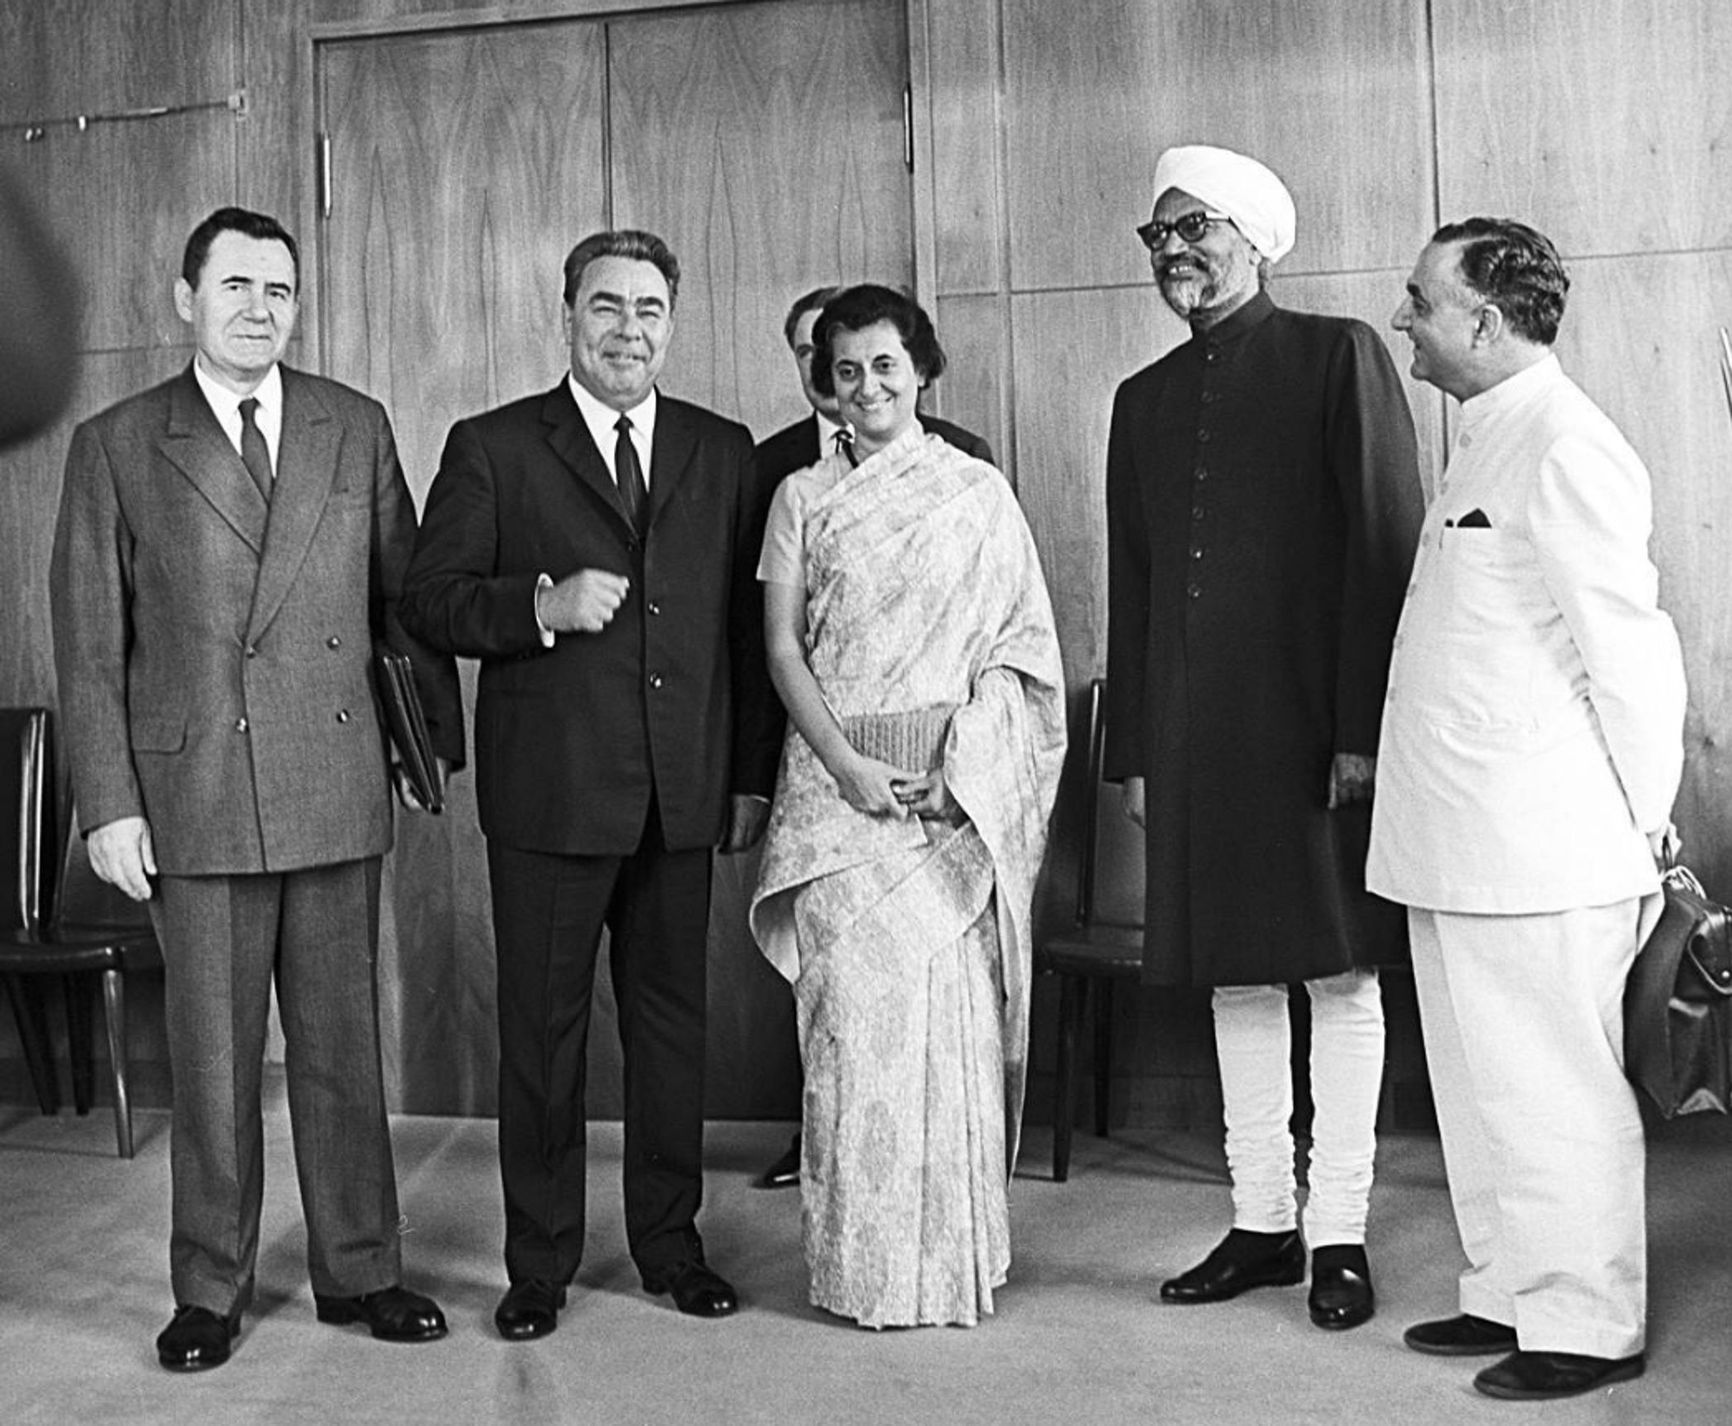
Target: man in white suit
1531,749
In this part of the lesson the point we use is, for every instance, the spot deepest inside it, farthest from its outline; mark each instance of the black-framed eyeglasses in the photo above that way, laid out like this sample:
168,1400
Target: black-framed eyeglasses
1192,227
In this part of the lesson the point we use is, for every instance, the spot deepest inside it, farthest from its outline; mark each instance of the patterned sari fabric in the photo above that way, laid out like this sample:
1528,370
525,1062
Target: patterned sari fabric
931,637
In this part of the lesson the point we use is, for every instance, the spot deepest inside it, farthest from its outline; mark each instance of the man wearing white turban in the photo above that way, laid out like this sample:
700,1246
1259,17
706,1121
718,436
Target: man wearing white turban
1263,504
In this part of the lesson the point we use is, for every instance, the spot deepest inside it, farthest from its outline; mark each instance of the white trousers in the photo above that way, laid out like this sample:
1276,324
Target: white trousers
1542,1140
1253,1042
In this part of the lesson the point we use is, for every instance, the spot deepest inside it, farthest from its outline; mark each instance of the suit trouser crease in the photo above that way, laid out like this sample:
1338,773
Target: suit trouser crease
1253,1043
1542,1138
549,913
225,939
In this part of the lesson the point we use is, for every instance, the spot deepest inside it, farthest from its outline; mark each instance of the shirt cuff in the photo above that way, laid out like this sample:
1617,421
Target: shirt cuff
542,581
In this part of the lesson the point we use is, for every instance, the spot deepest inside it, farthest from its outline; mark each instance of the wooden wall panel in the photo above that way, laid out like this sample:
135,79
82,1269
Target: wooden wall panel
768,139
465,166
1333,97
963,39
1601,122
87,57
974,390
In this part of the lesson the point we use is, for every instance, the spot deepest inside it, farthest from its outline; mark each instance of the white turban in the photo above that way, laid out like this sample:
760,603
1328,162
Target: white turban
1250,194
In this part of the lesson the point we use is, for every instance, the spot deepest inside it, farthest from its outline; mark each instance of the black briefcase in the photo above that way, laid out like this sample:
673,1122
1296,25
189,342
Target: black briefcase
1678,1004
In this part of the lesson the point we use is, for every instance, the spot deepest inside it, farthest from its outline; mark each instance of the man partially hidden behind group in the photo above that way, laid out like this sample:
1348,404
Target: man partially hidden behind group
228,558
1532,747
1263,500
595,547
803,444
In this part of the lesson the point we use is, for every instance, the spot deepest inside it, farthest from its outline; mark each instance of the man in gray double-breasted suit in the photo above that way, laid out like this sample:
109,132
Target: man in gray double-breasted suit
227,563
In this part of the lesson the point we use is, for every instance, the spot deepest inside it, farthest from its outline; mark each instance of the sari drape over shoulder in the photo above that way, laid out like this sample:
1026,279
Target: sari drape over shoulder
931,637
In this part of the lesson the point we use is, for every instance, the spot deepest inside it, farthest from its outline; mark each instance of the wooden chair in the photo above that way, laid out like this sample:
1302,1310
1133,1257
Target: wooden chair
88,930
1104,945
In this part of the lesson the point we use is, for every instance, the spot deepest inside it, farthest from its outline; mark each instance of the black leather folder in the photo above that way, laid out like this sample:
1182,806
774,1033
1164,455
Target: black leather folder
406,722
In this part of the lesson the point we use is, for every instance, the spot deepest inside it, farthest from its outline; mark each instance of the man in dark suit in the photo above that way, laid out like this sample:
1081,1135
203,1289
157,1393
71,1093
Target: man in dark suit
227,561
794,448
595,547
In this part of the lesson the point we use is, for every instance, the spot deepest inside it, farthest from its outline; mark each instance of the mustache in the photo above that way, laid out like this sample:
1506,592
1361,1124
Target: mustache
1165,268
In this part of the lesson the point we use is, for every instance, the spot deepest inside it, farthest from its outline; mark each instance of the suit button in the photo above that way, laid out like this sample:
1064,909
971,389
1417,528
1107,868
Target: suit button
240,725
333,642
342,715
252,653
654,608
655,680
1195,591
1203,436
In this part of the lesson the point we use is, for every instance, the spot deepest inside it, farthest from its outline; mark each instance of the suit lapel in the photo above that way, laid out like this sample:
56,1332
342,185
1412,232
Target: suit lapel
814,451
193,442
569,437
671,456
306,468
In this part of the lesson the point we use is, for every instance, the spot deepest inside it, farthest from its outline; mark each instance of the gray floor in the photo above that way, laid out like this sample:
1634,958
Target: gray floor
1078,1337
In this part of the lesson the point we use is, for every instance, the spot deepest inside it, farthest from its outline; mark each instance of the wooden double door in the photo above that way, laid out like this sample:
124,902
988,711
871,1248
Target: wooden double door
765,144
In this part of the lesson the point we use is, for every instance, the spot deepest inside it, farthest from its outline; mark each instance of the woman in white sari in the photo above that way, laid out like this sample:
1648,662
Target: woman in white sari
911,638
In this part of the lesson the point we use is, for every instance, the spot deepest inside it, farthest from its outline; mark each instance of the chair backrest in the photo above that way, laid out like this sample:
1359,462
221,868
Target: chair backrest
1113,874
28,845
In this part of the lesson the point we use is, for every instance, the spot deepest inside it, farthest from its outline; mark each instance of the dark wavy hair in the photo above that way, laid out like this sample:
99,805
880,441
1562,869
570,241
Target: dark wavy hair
1515,267
631,243
234,220
856,308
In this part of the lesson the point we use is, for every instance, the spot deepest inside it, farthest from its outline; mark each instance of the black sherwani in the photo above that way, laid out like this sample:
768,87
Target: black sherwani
1263,503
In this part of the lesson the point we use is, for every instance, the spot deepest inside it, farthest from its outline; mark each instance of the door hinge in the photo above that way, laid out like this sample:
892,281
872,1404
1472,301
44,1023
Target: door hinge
908,126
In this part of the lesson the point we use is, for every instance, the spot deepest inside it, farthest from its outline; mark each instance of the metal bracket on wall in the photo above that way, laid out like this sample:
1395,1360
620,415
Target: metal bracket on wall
34,130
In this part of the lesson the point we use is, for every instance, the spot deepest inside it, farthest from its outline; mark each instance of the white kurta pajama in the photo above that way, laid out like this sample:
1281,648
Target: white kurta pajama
1532,737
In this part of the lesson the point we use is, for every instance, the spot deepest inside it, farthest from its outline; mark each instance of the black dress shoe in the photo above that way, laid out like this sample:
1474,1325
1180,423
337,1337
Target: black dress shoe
1463,1336
697,1291
196,1339
1341,1292
529,1309
785,1172
1240,1261
1546,1376
392,1314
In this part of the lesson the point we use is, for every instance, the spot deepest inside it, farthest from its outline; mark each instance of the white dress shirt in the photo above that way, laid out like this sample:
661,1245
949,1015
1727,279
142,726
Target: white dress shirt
601,419
226,406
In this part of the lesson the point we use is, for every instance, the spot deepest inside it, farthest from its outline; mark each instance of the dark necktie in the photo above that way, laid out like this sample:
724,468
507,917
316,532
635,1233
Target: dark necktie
254,451
632,492
844,439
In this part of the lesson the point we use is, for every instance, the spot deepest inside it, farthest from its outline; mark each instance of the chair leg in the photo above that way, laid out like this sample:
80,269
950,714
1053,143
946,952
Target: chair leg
114,1006
31,1014
1103,1053
1071,991
80,1038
